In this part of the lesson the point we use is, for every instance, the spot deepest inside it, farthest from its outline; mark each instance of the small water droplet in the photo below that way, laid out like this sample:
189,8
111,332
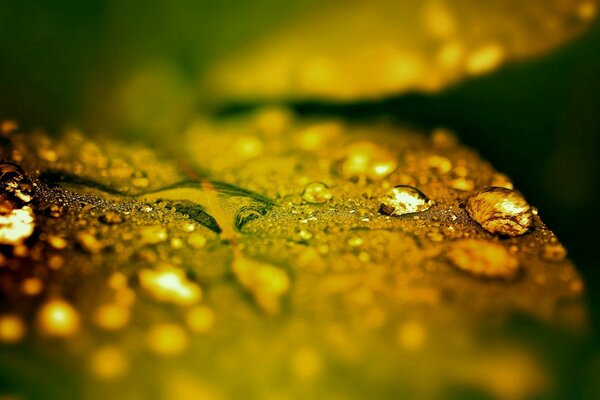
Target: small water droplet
111,218
483,259
12,328
58,318
153,234
367,160
167,339
56,210
402,200
111,316
316,193
554,252
89,242
501,211
200,319
170,284
108,363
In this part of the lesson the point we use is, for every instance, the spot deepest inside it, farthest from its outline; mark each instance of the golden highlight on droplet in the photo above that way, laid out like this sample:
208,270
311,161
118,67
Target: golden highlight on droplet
170,284
58,318
166,339
12,329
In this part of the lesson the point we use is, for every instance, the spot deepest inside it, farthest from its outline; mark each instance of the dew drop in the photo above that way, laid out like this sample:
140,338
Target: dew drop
15,183
483,259
366,160
16,226
58,318
501,211
402,200
12,328
167,339
111,218
316,193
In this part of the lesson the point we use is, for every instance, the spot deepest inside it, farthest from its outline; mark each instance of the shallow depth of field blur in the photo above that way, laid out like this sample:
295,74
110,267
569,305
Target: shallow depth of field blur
529,102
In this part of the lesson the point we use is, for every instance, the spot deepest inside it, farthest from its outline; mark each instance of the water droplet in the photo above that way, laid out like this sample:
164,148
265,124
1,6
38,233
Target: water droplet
439,163
153,234
483,259
111,218
16,226
57,242
355,242
167,339
265,282
316,193
140,180
12,329
56,210
462,184
170,284
89,242
32,286
58,318
366,160
196,241
108,363
412,335
111,316
15,183
554,252
402,200
501,211
200,319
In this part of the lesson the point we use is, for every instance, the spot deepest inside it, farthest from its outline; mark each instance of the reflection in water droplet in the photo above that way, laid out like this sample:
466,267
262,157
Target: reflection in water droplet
58,318
403,199
501,211
483,259
316,193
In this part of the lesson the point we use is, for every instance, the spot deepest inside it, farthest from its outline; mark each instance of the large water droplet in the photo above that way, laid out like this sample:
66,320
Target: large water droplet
14,182
483,259
316,193
404,199
501,211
